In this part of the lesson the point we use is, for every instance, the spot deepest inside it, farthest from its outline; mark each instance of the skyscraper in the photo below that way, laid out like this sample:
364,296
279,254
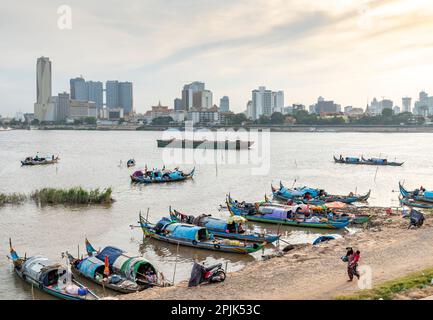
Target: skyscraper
95,93
79,89
407,104
44,107
62,106
265,102
119,95
193,96
177,104
224,104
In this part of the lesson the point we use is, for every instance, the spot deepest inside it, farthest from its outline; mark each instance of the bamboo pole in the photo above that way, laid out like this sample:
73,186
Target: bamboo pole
175,263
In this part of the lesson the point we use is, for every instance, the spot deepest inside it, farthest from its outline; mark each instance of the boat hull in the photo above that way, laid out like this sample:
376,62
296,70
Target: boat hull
204,144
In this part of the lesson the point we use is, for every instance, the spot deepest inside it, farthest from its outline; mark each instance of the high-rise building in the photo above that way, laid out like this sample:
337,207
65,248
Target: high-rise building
177,105
407,104
62,104
44,106
424,105
326,107
83,90
224,104
265,102
119,95
194,95
95,93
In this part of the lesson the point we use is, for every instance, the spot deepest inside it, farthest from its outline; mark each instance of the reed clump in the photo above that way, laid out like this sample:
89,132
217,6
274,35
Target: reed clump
13,198
77,195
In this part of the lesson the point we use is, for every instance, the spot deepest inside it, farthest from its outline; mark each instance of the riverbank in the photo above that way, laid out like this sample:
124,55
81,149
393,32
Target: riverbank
272,128
317,272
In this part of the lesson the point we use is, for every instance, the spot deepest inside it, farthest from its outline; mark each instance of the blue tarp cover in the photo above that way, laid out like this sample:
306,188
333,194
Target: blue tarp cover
185,231
111,252
89,266
216,224
428,194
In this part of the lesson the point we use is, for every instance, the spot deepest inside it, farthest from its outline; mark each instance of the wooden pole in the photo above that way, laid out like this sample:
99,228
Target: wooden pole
33,293
175,263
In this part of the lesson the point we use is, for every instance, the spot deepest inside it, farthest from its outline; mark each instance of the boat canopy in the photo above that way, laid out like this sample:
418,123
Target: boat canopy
276,212
186,231
111,252
428,194
216,224
90,266
38,267
130,266
236,219
352,159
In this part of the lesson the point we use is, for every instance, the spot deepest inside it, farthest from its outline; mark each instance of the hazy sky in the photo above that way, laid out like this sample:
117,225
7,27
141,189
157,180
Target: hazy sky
345,50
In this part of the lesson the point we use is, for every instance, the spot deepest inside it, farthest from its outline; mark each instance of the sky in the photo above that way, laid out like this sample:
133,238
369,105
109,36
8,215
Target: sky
344,50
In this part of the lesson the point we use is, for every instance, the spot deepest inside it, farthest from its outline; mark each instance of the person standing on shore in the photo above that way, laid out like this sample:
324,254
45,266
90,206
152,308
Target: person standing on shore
352,265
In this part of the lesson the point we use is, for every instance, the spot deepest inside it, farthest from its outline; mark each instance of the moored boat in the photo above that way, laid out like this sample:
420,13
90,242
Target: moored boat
194,236
115,269
415,204
49,277
420,194
288,215
315,196
204,144
130,163
160,176
30,161
371,161
231,228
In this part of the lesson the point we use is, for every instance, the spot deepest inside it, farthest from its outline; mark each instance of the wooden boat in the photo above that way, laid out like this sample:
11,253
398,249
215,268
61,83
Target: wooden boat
315,196
204,144
418,195
230,228
29,161
415,204
340,211
372,161
160,176
115,269
130,163
195,236
49,277
284,216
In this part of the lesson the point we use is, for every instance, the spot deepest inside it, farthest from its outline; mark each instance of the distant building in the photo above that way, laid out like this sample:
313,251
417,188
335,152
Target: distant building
376,107
188,95
87,91
204,116
249,110
424,105
324,107
293,108
407,104
62,104
396,110
224,104
82,109
265,102
96,93
178,106
44,106
119,95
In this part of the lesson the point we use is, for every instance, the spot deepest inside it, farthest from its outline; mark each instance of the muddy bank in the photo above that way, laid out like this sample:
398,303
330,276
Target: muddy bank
317,272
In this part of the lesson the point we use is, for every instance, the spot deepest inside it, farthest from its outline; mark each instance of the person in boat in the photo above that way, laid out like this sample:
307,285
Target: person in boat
307,196
352,265
290,202
341,158
241,228
321,193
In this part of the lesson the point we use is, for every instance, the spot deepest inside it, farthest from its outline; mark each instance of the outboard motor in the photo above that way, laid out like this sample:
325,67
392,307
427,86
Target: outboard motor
416,218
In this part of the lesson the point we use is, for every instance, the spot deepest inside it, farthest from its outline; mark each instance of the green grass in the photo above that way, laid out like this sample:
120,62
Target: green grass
387,290
13,198
75,195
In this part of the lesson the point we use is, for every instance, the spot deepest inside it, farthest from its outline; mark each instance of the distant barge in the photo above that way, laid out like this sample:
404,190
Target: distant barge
205,144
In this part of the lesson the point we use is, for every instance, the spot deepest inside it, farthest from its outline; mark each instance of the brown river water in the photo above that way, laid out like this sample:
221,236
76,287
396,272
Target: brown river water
91,159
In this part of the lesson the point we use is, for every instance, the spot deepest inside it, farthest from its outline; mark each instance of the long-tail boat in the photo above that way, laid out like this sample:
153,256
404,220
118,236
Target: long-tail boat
204,144
371,161
194,236
285,216
115,269
160,176
30,161
230,228
417,194
315,196
416,204
49,277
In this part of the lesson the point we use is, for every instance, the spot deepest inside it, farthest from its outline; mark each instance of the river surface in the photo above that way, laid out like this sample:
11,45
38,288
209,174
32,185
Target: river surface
92,159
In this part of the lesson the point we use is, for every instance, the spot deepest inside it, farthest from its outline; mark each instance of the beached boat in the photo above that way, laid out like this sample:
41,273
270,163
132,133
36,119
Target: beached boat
204,144
230,228
160,176
289,215
415,204
315,196
49,277
421,194
29,161
115,269
195,236
371,161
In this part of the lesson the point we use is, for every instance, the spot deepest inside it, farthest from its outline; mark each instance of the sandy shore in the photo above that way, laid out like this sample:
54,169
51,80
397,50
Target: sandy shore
317,272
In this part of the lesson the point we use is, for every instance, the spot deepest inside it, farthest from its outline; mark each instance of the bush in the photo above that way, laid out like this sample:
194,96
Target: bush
14,198
75,195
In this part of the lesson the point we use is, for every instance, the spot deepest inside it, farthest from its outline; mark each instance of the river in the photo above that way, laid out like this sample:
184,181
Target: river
92,159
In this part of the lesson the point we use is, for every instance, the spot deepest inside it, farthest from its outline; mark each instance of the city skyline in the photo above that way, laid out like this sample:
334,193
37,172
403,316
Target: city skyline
372,49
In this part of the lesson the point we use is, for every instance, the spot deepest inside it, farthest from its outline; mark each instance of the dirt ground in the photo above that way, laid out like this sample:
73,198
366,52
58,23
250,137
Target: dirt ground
317,272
